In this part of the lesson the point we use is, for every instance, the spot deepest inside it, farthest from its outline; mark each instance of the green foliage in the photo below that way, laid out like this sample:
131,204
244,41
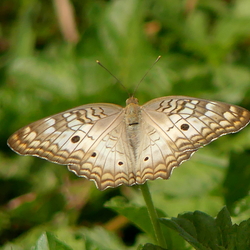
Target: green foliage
205,53
236,183
47,241
204,232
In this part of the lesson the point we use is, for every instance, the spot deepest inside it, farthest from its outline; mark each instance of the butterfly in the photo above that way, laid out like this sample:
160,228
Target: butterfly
112,145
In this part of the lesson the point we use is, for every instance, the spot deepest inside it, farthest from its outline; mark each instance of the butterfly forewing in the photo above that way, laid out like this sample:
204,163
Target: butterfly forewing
193,122
112,145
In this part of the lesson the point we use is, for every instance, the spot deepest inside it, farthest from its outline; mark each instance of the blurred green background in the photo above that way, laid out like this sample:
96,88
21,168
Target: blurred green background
48,53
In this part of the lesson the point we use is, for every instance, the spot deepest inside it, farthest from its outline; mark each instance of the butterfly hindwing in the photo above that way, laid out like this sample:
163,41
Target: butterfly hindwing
109,164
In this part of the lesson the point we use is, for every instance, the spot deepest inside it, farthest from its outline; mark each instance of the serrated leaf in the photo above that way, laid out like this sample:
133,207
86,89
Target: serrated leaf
224,222
243,235
198,228
185,228
207,230
204,232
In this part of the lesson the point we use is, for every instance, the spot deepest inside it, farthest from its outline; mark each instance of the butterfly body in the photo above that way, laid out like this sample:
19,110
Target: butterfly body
112,145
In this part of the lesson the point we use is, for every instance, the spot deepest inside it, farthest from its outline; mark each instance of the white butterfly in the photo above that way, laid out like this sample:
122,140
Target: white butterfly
112,145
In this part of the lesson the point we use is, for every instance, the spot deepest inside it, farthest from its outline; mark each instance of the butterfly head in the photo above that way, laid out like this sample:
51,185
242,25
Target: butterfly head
131,100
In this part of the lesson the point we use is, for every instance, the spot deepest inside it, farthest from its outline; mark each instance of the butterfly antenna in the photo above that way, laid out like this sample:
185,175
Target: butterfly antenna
118,81
157,59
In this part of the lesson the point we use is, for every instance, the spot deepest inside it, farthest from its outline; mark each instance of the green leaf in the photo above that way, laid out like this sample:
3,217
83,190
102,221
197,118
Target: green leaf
150,246
204,232
242,209
243,235
101,239
138,215
224,222
24,36
48,241
11,246
207,231
236,184
186,230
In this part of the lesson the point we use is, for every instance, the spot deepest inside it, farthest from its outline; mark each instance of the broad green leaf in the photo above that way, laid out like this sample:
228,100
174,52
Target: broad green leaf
48,241
101,239
12,246
138,215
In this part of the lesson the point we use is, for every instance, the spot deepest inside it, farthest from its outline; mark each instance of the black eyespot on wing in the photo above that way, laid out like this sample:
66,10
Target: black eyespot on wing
120,163
93,154
184,126
75,139
146,159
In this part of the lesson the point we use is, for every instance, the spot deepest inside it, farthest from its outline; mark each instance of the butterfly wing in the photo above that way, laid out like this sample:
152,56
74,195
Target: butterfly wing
176,126
111,161
90,139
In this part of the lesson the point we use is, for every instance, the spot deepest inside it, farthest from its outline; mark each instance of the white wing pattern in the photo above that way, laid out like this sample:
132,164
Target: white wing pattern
112,145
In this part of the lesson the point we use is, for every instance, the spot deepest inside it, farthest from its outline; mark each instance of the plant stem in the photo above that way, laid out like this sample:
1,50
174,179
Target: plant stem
153,215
